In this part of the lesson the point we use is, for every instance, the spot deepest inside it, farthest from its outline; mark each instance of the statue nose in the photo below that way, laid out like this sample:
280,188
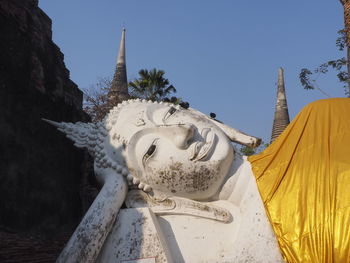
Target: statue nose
183,135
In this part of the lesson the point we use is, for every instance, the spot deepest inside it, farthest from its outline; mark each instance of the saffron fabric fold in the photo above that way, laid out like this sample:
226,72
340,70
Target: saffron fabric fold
304,181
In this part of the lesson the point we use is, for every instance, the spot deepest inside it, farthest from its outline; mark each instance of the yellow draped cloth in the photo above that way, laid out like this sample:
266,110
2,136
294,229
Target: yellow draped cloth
304,181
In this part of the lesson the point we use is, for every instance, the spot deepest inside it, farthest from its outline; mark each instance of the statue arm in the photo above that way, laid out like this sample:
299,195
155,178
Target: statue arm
87,240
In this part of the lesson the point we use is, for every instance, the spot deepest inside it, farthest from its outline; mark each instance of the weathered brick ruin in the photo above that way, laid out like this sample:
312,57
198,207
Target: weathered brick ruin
42,175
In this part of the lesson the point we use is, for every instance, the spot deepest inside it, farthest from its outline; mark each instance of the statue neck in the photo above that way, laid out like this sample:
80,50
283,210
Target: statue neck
237,182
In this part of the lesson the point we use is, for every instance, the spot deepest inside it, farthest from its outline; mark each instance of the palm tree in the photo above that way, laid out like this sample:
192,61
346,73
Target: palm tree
151,85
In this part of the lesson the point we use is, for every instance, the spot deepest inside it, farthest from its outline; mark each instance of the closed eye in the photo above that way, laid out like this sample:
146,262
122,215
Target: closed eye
150,151
170,112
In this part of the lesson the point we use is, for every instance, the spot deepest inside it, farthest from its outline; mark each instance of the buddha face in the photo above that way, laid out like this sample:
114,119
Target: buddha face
174,150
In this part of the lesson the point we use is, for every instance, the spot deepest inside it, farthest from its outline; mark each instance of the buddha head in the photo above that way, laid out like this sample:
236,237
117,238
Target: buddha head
159,148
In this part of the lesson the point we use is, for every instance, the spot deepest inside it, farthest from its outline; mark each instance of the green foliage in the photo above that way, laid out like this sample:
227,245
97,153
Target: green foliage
151,85
339,65
247,151
304,77
341,40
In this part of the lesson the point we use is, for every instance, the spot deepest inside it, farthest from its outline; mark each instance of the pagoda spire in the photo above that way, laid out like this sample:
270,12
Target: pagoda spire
281,119
119,87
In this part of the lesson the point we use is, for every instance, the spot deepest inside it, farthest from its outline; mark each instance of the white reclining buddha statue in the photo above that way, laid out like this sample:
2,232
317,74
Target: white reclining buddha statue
187,196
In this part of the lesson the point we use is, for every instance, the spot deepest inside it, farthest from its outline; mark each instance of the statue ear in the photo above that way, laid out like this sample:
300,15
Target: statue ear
237,136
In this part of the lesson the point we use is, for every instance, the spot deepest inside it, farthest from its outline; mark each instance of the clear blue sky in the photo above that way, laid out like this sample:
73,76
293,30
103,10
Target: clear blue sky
222,56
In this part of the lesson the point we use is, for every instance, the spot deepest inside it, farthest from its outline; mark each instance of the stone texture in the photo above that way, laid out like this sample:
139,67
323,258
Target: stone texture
281,118
178,166
119,88
19,248
135,236
40,169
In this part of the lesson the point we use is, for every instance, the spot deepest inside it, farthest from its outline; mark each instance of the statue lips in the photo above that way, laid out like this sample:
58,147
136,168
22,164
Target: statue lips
202,148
